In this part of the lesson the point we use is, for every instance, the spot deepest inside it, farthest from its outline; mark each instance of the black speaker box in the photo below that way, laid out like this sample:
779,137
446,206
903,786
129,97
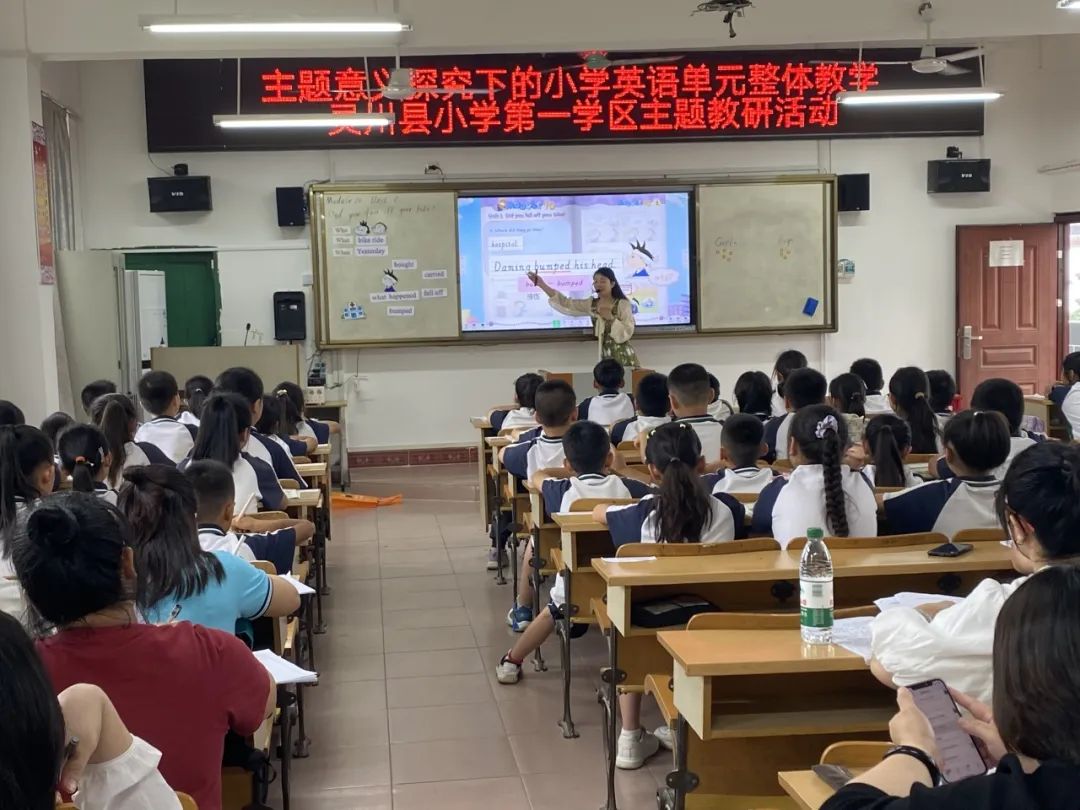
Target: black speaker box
290,316
957,176
853,192
291,206
169,194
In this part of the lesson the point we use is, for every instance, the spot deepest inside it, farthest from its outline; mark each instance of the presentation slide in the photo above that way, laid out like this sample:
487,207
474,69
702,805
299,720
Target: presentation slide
643,237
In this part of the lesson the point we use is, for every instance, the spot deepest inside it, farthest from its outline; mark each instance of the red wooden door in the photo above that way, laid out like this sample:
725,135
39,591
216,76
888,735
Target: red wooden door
1007,305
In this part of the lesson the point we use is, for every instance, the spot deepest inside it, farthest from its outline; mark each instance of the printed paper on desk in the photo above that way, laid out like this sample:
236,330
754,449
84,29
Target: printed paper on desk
284,671
854,635
302,588
627,559
914,600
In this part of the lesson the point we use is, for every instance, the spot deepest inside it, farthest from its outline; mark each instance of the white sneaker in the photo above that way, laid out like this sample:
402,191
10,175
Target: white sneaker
634,748
508,671
666,737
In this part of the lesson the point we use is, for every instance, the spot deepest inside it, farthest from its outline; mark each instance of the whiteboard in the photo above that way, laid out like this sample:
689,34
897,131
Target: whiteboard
767,256
385,265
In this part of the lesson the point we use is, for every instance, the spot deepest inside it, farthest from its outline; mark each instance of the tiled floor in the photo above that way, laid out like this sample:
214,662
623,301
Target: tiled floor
408,714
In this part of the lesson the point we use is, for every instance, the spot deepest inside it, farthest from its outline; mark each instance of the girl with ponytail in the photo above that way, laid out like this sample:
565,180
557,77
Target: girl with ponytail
682,510
27,473
196,390
821,490
847,394
84,455
115,415
909,395
296,421
887,443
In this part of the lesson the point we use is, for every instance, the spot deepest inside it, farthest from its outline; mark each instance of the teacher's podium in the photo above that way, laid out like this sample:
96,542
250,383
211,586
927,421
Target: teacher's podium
584,379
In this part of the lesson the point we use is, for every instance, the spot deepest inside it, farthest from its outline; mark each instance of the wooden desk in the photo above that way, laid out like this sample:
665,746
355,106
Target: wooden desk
335,410
502,503
760,702
1057,426
805,788
483,458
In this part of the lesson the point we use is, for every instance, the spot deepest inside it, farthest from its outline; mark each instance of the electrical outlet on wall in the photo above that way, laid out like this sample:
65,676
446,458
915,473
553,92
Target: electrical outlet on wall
307,280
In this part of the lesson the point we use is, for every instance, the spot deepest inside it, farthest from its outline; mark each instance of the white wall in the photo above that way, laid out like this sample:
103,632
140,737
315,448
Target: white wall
900,309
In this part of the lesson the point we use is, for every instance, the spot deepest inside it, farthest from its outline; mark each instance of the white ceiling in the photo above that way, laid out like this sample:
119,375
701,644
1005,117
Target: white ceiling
108,29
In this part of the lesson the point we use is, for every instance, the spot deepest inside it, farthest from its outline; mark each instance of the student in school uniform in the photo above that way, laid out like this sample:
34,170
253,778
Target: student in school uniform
1067,396
1040,513
689,393
802,388
93,390
223,433
54,424
215,589
273,541
115,415
847,394
786,362
1005,397
249,386
742,443
179,687
610,404
680,511
318,429
653,409
909,398
26,459
821,491
524,415
160,398
271,425
976,444
869,371
556,410
84,455
196,390
719,409
588,459
942,395
753,394
887,443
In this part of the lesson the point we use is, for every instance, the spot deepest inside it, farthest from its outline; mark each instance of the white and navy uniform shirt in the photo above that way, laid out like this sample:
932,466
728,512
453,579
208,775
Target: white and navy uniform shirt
606,408
252,477
720,410
777,431
793,503
105,492
779,407
525,458
876,404
275,547
561,493
638,523
870,471
1017,445
169,435
1068,399
629,429
513,419
313,428
279,460
188,418
708,432
742,479
943,419
212,538
944,506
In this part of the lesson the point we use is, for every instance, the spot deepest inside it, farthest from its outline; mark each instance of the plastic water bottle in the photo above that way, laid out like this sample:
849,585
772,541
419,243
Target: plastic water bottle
816,590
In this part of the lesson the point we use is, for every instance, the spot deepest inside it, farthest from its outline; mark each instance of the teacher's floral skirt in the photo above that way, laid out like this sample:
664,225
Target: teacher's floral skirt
622,352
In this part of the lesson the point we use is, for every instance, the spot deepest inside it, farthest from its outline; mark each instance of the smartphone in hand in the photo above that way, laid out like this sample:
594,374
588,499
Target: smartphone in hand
950,550
960,757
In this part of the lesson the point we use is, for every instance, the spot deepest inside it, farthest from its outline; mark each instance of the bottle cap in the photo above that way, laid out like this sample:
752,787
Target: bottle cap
815,534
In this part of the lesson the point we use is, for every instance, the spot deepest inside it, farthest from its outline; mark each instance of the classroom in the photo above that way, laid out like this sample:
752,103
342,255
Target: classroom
608,404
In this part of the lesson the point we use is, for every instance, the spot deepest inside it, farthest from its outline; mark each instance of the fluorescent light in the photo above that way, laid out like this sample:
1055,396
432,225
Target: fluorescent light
237,25
945,95
1069,5
303,121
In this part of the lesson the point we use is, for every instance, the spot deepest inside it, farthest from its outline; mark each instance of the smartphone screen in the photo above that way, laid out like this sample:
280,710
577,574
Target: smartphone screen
959,758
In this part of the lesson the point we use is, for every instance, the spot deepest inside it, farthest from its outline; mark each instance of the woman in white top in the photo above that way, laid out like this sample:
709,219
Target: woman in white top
107,768
611,312
1039,506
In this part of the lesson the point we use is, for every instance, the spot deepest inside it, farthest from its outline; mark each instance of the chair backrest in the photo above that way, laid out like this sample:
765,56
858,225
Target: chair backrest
914,459
855,754
269,516
588,504
979,536
783,465
744,497
554,472
887,490
696,549
766,621
896,541
265,566
631,451
288,483
301,460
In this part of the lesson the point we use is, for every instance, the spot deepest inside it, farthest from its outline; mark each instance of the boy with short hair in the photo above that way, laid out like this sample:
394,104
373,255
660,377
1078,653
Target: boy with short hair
653,409
160,398
523,416
719,409
95,389
249,385
803,387
690,394
611,404
270,540
742,444
556,410
869,371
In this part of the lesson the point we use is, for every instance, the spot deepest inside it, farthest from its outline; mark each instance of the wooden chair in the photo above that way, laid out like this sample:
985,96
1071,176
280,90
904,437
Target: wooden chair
186,803
301,460
744,497
631,451
783,465
766,621
887,490
288,483
588,504
696,549
919,459
855,754
896,541
269,516
979,536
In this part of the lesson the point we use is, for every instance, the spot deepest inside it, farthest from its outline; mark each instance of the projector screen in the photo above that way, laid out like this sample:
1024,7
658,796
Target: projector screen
643,236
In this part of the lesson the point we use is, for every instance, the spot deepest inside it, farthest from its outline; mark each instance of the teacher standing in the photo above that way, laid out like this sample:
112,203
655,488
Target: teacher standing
611,312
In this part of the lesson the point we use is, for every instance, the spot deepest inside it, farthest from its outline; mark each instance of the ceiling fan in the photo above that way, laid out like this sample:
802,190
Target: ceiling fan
731,9
599,60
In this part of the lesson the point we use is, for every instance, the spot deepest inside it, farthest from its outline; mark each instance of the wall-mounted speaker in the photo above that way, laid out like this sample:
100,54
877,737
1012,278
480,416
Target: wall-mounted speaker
291,206
957,176
290,316
853,192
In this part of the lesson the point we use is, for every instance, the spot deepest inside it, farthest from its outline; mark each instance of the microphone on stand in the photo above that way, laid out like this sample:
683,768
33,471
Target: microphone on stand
247,331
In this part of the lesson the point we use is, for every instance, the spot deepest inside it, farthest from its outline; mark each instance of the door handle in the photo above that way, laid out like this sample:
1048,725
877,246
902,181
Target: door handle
966,337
